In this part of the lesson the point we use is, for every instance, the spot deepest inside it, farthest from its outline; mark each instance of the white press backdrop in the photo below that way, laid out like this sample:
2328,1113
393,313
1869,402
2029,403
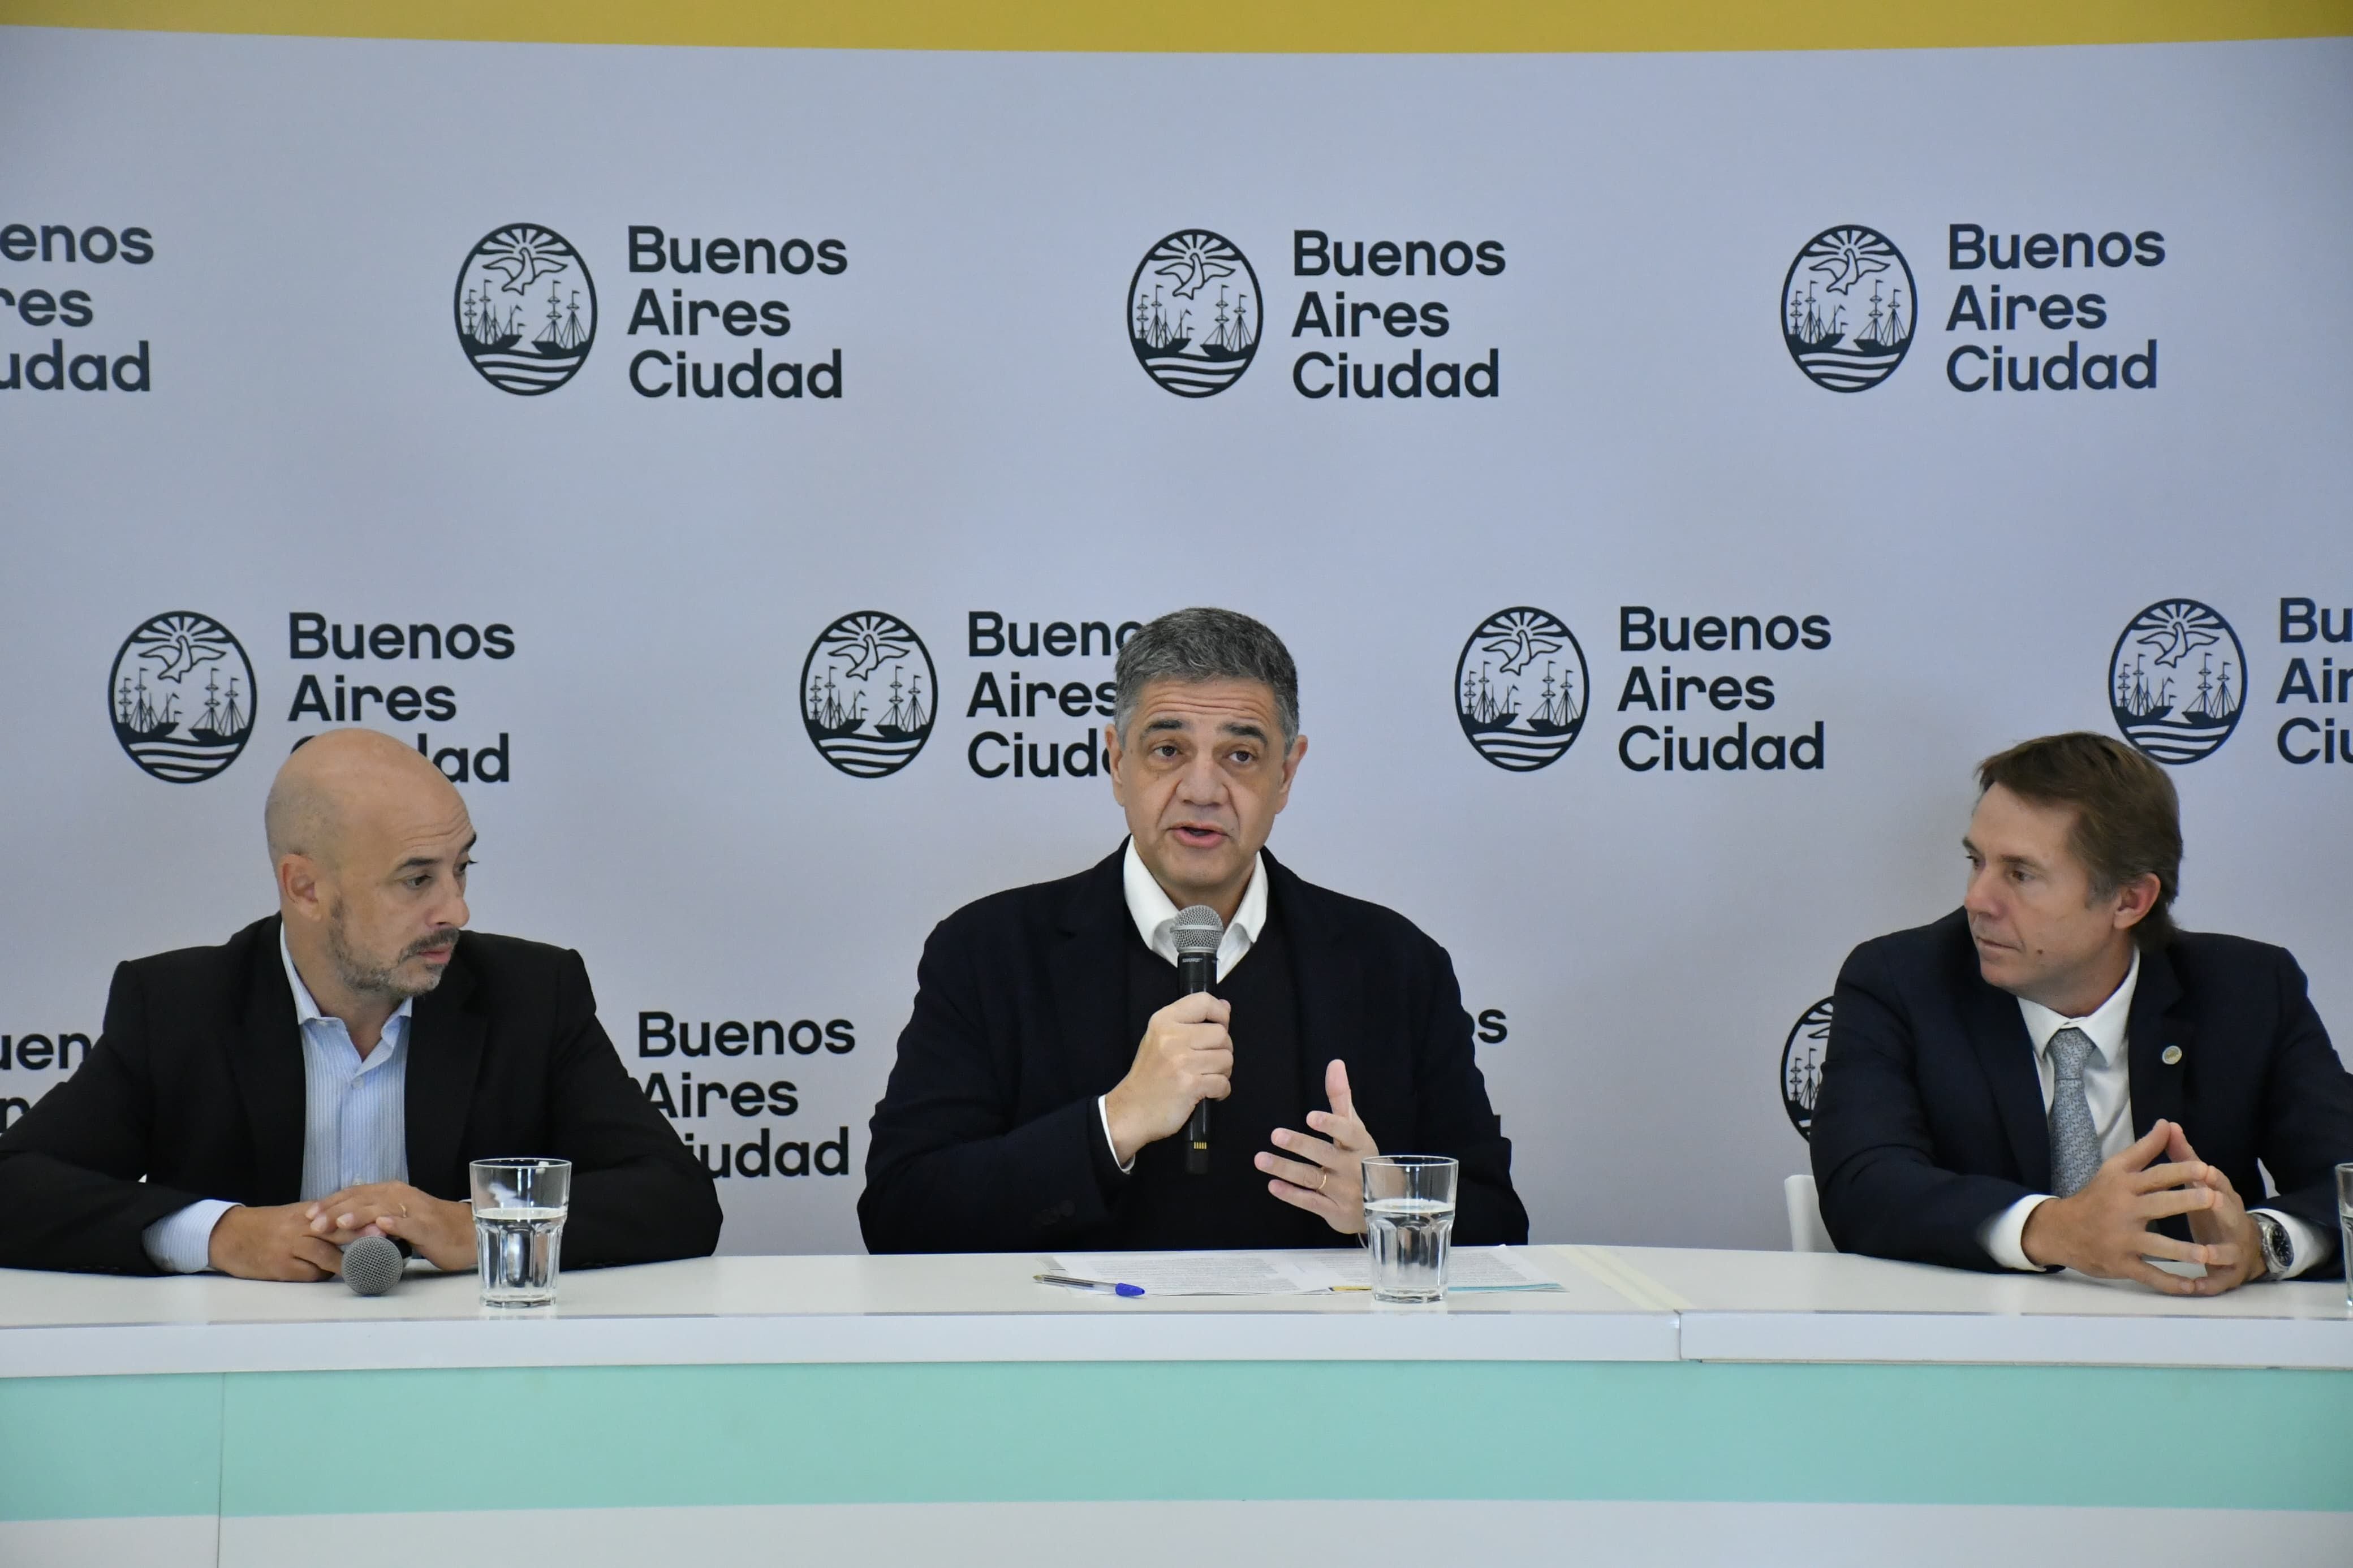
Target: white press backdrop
315,443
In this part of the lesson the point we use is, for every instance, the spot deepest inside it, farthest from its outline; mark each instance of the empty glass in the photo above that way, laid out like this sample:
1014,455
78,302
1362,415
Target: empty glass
1409,1218
519,1209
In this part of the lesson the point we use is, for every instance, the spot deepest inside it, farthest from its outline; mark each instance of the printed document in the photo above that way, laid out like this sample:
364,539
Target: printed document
1469,1269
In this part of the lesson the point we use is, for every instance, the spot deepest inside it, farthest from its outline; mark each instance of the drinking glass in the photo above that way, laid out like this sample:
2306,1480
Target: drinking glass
519,1208
1408,1217
2345,1226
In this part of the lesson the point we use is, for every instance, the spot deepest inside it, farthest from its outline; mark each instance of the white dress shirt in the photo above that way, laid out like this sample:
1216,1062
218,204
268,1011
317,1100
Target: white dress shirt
354,1122
1154,914
2107,1088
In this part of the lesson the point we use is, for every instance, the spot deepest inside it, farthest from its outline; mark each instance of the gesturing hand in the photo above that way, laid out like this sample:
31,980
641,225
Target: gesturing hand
2104,1229
1186,1057
439,1231
1329,1180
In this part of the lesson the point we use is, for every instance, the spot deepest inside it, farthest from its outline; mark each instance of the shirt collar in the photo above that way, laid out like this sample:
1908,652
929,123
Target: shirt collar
2106,1025
1154,911
306,1006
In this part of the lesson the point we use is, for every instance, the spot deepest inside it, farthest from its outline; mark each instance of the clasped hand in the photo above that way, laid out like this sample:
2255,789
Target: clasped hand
2102,1230
305,1241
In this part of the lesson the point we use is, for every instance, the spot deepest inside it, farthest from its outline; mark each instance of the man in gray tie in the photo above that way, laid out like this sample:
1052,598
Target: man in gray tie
2056,1075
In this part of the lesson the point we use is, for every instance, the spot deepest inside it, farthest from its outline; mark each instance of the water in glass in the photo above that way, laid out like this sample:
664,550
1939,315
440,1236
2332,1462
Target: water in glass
2345,1251
1406,1238
2344,1224
518,1249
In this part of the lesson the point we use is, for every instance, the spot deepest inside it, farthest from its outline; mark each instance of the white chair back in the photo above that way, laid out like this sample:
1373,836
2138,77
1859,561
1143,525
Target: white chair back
1807,1233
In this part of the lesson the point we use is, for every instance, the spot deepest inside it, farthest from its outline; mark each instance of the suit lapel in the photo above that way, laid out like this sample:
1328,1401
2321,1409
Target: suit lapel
1088,969
1329,979
445,1039
2155,1083
2005,1053
267,1064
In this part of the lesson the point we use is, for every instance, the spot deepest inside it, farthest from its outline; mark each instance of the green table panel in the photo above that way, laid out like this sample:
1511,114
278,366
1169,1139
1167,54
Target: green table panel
110,1448
279,1444
1166,1431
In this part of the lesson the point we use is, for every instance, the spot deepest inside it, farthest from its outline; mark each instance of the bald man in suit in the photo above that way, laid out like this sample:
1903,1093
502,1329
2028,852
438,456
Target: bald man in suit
330,1071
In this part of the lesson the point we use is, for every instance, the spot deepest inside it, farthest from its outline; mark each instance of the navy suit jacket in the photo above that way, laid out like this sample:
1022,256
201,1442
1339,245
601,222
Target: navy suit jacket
195,1090
1929,1121
988,1138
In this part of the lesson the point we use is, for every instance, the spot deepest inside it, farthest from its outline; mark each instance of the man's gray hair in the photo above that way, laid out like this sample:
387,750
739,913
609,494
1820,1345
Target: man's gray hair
1203,644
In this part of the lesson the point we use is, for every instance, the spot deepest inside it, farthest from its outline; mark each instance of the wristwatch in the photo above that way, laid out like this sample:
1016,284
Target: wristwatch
2278,1255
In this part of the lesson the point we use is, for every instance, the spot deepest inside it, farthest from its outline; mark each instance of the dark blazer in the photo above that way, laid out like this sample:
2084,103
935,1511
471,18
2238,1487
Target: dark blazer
196,1085
988,1138
1930,1122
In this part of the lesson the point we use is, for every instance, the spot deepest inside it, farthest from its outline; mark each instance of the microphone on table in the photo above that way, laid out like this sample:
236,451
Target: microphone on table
1198,933
371,1265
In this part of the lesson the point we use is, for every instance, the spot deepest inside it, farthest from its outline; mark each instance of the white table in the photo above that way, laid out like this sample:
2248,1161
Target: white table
1667,1406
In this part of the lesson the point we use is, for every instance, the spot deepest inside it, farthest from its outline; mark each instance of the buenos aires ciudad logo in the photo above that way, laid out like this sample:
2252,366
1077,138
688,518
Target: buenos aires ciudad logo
2178,680
1801,1065
869,694
1519,689
1848,308
525,309
1193,313
181,697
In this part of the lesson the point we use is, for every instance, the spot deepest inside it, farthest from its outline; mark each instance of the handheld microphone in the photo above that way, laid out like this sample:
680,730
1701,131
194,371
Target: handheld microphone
371,1265
1198,933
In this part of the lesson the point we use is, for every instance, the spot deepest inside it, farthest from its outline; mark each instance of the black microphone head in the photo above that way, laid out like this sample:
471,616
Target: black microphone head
372,1266
1198,931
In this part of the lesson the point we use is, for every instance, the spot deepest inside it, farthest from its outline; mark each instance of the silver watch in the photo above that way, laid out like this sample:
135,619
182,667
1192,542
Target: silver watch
2278,1255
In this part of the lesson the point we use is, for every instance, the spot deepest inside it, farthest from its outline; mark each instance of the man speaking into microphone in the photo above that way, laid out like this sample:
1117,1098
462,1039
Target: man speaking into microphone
1046,1090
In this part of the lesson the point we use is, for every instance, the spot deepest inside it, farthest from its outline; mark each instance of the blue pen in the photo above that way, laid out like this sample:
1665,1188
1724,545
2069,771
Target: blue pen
1073,1282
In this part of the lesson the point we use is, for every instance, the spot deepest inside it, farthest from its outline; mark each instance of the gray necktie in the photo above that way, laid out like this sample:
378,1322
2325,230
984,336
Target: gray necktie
2074,1142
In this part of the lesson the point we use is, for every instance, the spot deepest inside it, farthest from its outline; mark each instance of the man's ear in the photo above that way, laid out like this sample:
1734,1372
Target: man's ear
298,884
1111,763
2136,898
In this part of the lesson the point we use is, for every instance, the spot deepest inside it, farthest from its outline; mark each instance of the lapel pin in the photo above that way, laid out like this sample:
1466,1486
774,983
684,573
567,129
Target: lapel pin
2171,1056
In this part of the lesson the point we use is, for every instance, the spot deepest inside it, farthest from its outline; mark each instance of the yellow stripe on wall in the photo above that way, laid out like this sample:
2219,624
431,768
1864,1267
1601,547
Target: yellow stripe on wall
1231,27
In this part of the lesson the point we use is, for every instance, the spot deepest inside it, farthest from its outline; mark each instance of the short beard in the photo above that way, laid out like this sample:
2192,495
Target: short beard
363,979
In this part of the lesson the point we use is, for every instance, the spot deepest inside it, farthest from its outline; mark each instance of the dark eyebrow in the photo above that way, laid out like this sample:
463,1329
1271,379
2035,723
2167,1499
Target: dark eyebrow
416,862
1177,724
1970,846
1244,727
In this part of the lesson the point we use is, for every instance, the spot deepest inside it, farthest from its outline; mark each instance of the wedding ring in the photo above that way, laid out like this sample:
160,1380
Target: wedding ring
1321,1180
